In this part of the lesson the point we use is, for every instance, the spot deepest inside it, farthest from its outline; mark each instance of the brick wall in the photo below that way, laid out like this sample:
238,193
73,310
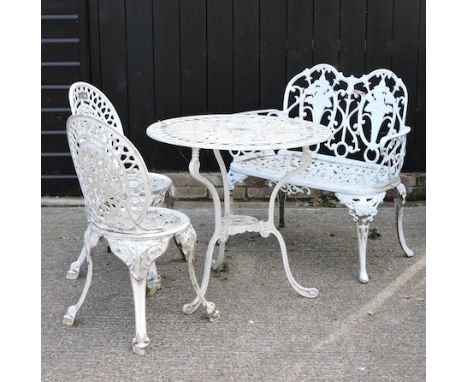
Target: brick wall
188,188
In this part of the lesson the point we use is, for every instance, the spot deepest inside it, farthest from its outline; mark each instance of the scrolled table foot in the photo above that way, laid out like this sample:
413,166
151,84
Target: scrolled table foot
306,292
211,311
191,307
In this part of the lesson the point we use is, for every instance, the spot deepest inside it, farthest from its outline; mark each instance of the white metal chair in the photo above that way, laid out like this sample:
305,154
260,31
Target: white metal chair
86,99
362,159
117,193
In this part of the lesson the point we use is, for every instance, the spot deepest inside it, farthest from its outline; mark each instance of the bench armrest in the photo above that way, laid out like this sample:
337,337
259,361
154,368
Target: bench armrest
405,130
269,112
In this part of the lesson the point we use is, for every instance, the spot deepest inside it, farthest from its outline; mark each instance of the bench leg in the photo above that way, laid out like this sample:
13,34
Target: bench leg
399,200
362,209
281,199
362,225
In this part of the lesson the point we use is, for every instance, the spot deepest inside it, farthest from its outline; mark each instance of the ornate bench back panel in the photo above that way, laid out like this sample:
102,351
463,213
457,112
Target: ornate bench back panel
85,99
113,177
359,111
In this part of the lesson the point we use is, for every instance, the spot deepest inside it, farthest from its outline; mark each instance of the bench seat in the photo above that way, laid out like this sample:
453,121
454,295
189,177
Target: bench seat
325,173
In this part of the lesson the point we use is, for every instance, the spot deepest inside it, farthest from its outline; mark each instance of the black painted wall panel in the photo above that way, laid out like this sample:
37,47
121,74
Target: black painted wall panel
158,59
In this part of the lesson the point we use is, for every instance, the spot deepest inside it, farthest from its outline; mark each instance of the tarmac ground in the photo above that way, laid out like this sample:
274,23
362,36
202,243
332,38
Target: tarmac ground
267,332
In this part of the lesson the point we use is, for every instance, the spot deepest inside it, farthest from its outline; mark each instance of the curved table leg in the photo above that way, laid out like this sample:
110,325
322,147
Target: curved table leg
194,169
218,263
306,292
269,226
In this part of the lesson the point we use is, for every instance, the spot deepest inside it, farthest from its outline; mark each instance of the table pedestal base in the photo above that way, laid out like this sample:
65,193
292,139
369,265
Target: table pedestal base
231,224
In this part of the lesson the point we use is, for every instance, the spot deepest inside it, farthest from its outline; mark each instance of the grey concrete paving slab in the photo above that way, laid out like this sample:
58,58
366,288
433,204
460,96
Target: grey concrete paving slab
267,332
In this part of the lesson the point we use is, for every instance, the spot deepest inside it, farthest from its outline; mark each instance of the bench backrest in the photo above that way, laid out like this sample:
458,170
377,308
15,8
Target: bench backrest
359,111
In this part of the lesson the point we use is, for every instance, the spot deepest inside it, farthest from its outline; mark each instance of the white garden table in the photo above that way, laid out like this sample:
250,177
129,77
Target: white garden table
240,133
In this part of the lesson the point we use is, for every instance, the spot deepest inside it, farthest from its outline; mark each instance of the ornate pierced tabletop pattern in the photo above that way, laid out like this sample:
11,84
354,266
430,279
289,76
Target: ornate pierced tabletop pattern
238,132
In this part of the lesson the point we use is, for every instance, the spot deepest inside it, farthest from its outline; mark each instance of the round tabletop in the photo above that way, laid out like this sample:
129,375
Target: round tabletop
238,132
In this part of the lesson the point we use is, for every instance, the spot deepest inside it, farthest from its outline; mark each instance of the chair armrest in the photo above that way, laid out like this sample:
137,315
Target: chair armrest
268,112
405,130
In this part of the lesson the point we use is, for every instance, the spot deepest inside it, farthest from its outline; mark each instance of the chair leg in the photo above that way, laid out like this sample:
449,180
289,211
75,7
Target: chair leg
179,247
362,209
399,201
69,317
217,263
170,196
153,280
138,256
90,241
187,240
281,198
141,341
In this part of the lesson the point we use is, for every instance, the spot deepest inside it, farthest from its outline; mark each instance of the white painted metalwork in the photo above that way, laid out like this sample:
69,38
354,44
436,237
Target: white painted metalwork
235,133
240,133
363,157
118,199
86,99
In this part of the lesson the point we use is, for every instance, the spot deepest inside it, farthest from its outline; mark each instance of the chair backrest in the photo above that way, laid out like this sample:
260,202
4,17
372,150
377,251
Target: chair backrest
86,99
359,111
112,174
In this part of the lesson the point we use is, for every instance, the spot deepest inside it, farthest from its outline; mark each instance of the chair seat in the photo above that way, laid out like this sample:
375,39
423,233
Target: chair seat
159,183
158,222
325,173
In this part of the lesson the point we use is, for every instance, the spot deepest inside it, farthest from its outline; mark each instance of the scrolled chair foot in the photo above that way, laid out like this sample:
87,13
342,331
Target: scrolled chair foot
154,283
153,280
363,277
211,312
140,346
73,272
69,317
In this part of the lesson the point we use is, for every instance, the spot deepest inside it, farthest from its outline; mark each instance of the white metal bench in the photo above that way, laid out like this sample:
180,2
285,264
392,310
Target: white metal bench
362,159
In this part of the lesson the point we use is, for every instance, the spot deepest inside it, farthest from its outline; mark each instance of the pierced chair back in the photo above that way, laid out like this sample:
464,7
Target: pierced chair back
366,114
86,99
112,175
